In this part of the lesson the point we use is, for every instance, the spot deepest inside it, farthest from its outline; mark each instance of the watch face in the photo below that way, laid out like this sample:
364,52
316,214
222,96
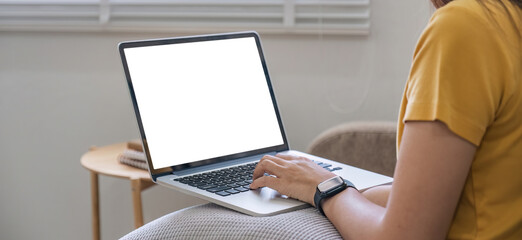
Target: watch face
330,184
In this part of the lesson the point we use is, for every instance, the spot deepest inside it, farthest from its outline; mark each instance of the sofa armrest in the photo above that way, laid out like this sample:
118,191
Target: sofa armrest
366,145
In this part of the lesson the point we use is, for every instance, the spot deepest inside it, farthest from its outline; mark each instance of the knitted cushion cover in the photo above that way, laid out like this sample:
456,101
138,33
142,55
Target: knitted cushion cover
210,221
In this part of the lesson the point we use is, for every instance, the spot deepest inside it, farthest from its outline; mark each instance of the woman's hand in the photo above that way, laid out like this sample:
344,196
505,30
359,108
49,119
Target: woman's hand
296,177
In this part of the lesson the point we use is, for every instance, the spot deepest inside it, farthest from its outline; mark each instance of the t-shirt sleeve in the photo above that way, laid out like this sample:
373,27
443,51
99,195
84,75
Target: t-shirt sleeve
452,78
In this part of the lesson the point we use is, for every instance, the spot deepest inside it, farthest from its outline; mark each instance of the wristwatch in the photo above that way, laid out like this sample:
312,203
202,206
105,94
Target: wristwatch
329,188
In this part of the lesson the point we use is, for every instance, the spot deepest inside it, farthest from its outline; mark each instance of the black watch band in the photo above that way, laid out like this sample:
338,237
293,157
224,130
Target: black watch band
319,195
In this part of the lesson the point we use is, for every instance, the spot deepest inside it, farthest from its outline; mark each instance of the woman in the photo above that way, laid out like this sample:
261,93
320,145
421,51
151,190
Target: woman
459,168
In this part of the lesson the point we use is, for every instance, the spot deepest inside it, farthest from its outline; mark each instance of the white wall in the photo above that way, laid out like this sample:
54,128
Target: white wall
62,92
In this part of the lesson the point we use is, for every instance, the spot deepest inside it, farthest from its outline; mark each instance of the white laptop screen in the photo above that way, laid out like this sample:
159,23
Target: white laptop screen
202,100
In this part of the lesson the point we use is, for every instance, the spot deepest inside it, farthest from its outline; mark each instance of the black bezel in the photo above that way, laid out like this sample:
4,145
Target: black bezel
154,42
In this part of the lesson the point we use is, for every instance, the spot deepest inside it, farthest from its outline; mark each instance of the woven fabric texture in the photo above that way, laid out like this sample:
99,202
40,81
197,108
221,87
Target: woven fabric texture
210,221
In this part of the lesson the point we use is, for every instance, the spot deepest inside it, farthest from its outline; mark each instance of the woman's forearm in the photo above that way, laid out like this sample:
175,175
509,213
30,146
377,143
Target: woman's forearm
354,216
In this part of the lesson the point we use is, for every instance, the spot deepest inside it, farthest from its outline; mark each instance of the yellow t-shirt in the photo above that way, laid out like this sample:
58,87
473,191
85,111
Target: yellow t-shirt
467,73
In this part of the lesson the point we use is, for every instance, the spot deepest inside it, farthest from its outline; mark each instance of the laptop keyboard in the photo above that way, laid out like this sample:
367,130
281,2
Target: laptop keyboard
233,180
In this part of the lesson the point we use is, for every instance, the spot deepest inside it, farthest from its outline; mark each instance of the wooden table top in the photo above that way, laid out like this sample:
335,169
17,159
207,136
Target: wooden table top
104,160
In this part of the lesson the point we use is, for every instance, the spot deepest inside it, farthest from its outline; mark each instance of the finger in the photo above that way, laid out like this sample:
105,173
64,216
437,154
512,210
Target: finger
275,159
289,157
267,166
265,181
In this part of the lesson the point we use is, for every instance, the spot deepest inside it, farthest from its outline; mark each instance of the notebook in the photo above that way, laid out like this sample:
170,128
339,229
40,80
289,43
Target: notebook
207,113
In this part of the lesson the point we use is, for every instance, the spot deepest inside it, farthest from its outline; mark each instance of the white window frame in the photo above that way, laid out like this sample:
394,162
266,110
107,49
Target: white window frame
346,17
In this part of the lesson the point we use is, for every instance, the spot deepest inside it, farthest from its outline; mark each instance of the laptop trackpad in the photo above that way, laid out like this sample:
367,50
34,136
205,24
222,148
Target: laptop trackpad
267,194
263,202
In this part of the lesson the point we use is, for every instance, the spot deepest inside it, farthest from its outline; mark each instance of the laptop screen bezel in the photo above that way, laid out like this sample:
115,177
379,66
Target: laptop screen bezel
177,40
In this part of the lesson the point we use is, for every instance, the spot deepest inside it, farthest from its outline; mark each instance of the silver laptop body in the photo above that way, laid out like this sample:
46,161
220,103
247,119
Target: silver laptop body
207,112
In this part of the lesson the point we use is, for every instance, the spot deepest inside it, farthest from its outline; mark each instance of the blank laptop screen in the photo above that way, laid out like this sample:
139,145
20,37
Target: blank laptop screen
202,100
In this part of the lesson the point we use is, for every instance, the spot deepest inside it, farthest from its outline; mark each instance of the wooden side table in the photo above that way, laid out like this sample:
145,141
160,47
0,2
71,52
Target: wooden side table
104,160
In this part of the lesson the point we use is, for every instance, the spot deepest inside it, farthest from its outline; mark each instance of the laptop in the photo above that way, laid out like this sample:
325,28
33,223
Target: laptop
207,113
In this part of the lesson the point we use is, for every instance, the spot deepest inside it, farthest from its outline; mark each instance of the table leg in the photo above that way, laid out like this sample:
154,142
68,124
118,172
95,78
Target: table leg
136,201
138,185
95,206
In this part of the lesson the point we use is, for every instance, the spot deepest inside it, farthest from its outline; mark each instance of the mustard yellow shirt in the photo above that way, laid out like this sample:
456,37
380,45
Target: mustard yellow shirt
467,73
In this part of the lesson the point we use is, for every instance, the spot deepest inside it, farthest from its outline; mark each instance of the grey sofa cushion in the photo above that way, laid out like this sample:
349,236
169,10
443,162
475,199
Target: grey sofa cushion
210,221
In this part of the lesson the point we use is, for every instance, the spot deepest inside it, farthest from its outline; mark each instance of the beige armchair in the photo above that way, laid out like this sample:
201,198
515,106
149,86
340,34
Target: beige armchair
367,145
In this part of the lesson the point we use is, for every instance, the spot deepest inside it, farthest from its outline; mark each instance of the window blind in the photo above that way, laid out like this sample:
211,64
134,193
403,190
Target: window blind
278,16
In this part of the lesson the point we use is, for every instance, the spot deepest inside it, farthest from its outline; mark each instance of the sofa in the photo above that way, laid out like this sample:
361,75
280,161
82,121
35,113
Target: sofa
367,145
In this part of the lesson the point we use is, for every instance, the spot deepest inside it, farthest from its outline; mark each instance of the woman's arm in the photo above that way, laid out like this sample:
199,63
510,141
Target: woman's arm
431,171
378,195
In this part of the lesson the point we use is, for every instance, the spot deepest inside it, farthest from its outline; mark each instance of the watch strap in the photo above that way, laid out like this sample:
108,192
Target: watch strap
319,196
